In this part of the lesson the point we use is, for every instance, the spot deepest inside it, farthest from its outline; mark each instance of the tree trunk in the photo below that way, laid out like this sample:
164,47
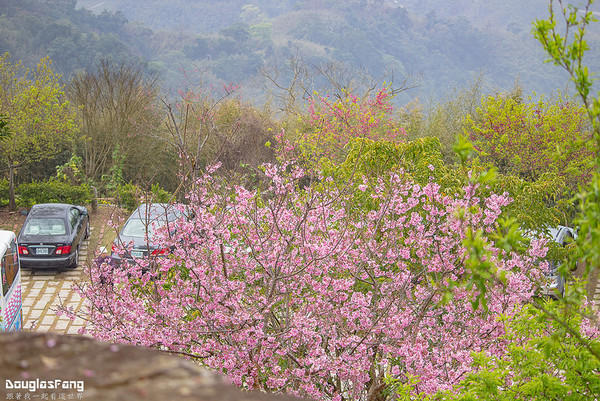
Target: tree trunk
95,200
12,205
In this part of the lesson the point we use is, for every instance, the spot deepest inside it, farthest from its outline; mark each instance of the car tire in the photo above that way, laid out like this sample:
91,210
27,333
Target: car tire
75,260
560,293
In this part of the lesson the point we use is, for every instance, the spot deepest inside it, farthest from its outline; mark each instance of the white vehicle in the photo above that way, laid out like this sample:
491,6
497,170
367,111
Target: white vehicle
11,308
555,282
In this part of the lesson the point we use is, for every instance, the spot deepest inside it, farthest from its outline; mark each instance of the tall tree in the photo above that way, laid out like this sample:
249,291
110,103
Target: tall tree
39,120
530,138
115,103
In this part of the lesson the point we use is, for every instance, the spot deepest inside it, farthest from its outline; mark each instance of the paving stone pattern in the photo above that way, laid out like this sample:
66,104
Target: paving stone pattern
44,290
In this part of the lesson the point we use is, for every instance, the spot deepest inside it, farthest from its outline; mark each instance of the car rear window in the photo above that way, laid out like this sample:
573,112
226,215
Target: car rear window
45,226
138,223
136,228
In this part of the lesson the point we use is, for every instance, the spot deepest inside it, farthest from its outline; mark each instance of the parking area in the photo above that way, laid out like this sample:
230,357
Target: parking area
44,291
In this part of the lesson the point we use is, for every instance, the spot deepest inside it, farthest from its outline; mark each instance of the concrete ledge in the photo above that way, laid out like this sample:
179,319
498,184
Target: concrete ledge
106,371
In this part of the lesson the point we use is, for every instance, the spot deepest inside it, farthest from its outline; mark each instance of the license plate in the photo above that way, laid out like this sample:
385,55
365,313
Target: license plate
137,254
41,251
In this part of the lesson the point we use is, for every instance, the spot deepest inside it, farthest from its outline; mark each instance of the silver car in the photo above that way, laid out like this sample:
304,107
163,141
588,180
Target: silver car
555,282
137,234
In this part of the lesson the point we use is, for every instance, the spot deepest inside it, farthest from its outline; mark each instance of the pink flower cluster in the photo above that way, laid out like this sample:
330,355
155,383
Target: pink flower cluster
335,120
288,291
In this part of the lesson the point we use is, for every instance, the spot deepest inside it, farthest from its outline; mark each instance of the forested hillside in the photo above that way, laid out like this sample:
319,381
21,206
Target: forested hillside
438,46
73,39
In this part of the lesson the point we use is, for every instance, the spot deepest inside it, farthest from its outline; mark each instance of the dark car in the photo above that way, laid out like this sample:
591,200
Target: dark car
52,234
137,234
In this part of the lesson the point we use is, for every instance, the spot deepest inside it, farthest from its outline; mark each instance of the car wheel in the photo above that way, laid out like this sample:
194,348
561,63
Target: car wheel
561,287
76,259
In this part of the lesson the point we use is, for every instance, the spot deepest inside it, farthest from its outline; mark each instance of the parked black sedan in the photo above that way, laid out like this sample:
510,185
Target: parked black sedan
52,234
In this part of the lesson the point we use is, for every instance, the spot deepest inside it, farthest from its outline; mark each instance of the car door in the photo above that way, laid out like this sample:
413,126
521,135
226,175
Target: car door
76,226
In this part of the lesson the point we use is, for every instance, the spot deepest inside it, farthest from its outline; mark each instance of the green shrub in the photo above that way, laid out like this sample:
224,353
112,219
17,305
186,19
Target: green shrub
128,196
3,192
52,192
131,196
160,195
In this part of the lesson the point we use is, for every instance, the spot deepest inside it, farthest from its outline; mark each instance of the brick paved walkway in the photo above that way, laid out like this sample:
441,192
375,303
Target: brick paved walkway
45,290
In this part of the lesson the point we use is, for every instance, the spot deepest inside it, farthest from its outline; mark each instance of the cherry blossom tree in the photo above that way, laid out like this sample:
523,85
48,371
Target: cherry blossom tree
291,290
331,121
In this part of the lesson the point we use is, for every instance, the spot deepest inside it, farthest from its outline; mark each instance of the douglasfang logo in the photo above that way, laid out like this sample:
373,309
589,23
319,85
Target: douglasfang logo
37,384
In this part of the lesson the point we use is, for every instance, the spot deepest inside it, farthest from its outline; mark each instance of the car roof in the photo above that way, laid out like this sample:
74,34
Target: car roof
49,209
155,210
5,238
557,234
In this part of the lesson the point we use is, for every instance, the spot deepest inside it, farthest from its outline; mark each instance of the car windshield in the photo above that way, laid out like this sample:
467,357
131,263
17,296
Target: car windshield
138,225
45,226
137,228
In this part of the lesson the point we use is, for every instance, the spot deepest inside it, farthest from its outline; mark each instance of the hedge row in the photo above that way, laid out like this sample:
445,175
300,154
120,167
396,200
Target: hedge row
129,196
46,192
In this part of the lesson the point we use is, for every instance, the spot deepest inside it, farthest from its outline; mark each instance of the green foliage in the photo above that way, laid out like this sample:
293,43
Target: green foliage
39,118
159,195
367,160
567,48
587,250
53,192
128,196
4,192
71,171
546,360
535,204
114,179
40,121
4,131
529,139
404,389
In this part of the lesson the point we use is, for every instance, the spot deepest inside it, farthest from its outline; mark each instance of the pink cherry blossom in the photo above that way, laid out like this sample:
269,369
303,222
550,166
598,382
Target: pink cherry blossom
292,291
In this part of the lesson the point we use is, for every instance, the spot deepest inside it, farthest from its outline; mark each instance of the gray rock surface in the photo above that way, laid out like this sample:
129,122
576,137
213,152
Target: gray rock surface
106,371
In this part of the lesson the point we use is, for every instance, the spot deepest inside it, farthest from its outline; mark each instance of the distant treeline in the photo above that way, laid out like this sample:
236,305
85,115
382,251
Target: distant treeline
191,41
